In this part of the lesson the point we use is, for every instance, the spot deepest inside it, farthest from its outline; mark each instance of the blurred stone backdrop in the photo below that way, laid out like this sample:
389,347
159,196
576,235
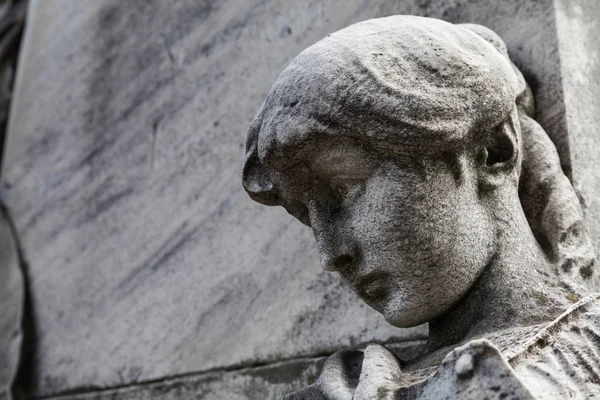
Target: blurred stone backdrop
151,274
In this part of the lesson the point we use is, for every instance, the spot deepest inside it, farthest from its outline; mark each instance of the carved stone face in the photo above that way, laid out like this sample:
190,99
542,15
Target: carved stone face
384,138
410,236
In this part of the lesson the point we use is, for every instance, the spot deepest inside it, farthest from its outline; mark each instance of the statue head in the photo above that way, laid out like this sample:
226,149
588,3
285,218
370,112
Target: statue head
398,140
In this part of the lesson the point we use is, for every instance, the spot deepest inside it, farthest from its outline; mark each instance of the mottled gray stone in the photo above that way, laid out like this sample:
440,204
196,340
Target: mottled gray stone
408,145
12,294
269,382
254,383
12,288
146,257
578,31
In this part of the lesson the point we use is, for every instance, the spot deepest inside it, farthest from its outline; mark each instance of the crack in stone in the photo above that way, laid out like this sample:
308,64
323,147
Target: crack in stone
22,374
198,375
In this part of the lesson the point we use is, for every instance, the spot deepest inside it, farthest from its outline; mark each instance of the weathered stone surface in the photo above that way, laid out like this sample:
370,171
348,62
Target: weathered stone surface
12,294
578,30
147,259
122,174
12,287
271,381
408,145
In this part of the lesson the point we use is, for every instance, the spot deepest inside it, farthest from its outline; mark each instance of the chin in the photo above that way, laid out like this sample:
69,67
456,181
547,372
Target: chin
402,320
405,316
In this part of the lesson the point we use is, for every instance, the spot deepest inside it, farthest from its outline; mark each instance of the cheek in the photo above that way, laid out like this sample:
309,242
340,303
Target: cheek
419,228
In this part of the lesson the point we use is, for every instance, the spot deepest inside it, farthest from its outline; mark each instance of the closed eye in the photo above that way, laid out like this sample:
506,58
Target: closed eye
346,188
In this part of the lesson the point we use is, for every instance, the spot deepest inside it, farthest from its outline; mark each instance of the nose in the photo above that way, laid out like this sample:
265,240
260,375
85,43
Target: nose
336,249
337,263
334,239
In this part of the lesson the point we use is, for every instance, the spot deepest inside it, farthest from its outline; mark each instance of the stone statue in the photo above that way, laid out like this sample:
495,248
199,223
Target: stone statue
408,145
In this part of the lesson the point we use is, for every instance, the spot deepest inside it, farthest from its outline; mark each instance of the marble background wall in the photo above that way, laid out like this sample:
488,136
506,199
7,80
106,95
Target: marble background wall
151,273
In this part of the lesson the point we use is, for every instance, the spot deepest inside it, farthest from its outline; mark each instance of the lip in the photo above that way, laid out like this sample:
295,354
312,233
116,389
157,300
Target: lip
374,286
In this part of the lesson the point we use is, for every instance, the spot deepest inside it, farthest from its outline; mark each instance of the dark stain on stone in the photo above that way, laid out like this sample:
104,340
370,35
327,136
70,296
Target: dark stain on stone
454,13
424,3
101,200
567,265
91,155
282,373
27,374
233,29
531,79
285,31
215,309
170,247
126,65
587,270
105,204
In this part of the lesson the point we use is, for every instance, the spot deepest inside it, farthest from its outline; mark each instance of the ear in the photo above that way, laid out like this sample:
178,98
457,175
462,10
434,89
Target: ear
255,177
500,155
257,183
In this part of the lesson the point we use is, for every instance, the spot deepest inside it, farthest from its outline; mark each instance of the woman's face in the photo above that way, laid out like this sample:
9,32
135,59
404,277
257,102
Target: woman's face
409,236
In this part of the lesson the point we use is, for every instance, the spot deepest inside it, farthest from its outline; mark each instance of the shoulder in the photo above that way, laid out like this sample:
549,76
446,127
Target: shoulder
559,360
562,360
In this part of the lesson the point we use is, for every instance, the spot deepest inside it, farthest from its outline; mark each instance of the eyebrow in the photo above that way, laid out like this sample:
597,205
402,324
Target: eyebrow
303,150
334,157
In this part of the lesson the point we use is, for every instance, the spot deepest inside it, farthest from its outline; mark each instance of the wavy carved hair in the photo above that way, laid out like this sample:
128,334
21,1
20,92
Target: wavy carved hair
548,198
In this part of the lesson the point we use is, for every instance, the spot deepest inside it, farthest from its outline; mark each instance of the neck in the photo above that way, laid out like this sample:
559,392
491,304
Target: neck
518,288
